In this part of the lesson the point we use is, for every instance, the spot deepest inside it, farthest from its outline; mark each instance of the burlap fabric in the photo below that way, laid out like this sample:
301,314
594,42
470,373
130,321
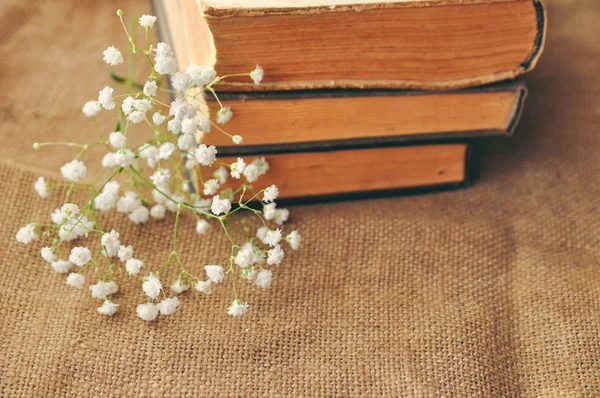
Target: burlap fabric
493,291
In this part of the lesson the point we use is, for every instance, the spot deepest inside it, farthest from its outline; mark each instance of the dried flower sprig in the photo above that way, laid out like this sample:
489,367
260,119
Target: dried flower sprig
160,179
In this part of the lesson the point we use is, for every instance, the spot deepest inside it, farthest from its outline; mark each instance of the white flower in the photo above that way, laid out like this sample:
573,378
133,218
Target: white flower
203,123
158,211
140,215
220,205
136,117
168,306
269,211
251,172
151,286
211,186
224,115
80,256
147,312
275,255
201,75
108,308
48,255
108,160
238,168
147,21
245,256
133,266
185,141
166,150
125,253
113,56
164,59
281,216
174,125
61,266
203,287
128,202
91,108
102,289
273,237
128,105
75,280
294,239
262,165
109,196
263,278
202,226
221,174
74,170
158,119
67,212
189,125
270,194
257,74
150,153
105,98
117,139
237,139
206,155
237,308
179,287
160,177
248,273
150,88
181,81
215,273
261,234
111,243
123,157
26,234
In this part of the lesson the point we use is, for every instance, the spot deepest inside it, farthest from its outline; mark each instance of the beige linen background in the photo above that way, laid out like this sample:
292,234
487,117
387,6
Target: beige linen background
492,291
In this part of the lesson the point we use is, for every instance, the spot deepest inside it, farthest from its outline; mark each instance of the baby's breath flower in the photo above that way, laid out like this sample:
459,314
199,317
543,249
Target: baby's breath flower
161,177
275,255
238,168
270,194
294,239
164,60
133,266
108,160
113,56
128,202
220,206
48,254
91,108
185,141
179,287
75,280
74,170
147,21
150,88
158,211
206,155
201,75
204,287
281,216
248,273
140,215
202,226
237,139
61,266
168,305
158,119
261,234
263,278
106,99
166,150
102,289
221,174
262,165
108,308
117,139
123,157
237,308
273,237
257,74
211,186
151,286
224,115
80,256
245,256
26,234
215,273
147,312
204,124
181,81
125,253
251,172
111,243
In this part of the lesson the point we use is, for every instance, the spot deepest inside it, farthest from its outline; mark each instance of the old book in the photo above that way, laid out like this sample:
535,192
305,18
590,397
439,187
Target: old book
364,172
298,120
307,44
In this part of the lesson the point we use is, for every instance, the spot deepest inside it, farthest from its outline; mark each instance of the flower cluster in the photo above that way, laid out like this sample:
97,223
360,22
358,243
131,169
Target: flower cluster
170,173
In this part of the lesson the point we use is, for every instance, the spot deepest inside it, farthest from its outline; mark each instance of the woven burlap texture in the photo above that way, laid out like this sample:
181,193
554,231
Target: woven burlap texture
492,291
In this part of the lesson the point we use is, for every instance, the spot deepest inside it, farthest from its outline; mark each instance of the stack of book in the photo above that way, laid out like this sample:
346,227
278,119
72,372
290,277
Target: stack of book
361,96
